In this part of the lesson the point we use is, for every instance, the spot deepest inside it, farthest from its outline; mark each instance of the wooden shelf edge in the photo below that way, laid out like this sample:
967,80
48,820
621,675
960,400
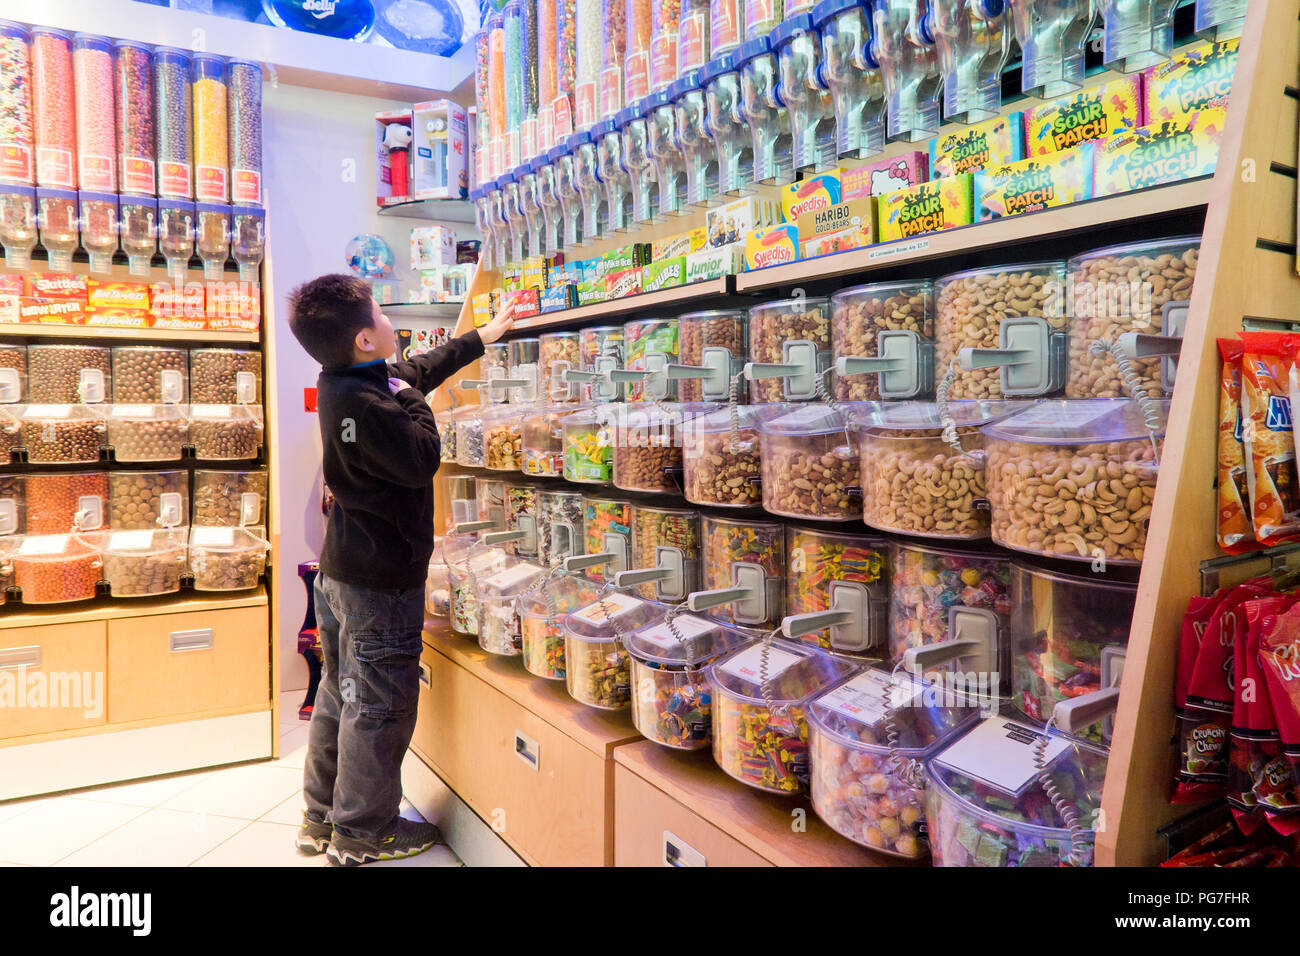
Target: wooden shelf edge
625,305
1049,223
109,609
36,330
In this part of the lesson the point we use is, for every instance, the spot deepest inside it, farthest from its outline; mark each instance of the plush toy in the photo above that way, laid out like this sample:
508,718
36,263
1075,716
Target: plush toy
397,140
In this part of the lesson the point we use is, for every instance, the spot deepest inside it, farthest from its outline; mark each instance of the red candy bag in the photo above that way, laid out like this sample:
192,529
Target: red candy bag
1254,750
1272,482
1278,658
1190,786
1236,532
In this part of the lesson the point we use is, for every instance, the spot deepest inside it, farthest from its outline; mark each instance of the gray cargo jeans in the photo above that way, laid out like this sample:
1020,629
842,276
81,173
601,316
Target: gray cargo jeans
365,707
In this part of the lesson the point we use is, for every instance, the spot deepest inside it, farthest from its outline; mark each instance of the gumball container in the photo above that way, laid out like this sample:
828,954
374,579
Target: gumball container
92,66
244,116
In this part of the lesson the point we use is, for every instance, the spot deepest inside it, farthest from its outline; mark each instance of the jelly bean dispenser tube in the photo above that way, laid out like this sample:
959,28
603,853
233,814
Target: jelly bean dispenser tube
808,100
516,222
134,95
566,69
589,37
765,113
668,161
572,200
496,115
248,240
1051,34
208,89
693,49
513,38
99,228
695,136
54,109
614,174
59,226
1137,35
726,26
244,115
590,186
212,240
613,17
910,66
529,93
17,144
665,26
856,85
729,126
636,49
482,99
92,63
635,141
139,231
548,45
176,227
173,123
973,41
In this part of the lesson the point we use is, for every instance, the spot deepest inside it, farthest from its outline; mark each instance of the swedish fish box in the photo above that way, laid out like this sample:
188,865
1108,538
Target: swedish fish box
927,207
1087,115
1038,182
964,150
771,246
1199,79
1159,153
816,192
838,228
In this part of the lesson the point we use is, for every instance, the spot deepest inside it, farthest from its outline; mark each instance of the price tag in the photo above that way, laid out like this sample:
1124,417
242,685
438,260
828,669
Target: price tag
212,537
133,411
746,664
130,540
44,544
661,636
1063,415
1000,753
513,575
212,412
48,411
618,604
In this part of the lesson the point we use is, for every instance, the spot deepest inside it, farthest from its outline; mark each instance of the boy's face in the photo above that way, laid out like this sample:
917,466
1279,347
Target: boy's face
376,342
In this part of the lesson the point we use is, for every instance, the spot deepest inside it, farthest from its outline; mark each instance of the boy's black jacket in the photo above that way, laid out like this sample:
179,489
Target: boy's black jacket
380,452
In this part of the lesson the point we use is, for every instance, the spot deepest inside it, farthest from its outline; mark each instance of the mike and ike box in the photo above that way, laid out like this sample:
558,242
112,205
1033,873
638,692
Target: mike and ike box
990,143
1038,182
1088,115
1195,81
924,208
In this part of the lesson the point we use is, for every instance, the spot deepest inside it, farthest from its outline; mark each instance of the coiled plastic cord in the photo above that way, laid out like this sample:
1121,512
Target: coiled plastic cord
1067,811
908,770
1133,382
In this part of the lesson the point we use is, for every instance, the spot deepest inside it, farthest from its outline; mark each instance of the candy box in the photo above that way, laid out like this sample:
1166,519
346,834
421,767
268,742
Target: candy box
591,290
771,246
1038,182
632,256
233,300
681,244
927,207
663,274
119,318
885,175
58,285
813,193
122,295
1192,82
431,247
838,228
9,303
619,284
482,306
558,297
1090,114
534,272
732,222
1161,153
11,284
52,311
964,150
526,302
715,263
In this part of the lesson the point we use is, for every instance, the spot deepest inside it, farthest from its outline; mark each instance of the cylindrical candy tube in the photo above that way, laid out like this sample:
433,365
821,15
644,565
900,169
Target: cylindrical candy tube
726,26
514,40
590,35
665,22
92,65
613,15
244,109
497,92
566,67
692,36
547,45
481,95
761,16
211,128
172,123
636,54
54,118
528,79
17,163
136,172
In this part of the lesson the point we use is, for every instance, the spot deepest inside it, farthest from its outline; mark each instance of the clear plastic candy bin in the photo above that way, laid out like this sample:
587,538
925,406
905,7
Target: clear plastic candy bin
830,570
646,445
973,821
597,666
541,615
671,701
222,376
143,563
498,619
760,727
502,438
13,372
650,345
446,435
795,333
720,470
62,434
884,321
749,554
227,559
862,782
588,446
715,344
54,503
147,432
437,586
226,432
607,529
542,441
559,524
150,374
1074,479
668,539
468,422
810,463
229,498
65,374
468,560
57,569
558,354
1066,631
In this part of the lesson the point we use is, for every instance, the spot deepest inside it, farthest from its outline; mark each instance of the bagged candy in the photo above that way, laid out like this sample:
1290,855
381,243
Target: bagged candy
1266,433
1253,741
1236,534
1276,654
1198,777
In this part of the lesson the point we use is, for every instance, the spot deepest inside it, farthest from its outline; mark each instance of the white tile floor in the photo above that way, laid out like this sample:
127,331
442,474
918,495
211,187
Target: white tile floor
238,816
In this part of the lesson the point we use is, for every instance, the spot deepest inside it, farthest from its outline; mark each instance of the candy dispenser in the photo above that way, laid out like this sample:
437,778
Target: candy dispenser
498,617
600,349
615,174
496,369
765,112
693,49
224,498
587,444
502,439
517,249
525,366
59,222
491,496
837,590
558,356
522,512
807,98
99,226
176,226
13,373
551,212
54,109
1068,636
513,39
671,700
1003,327
483,106
10,430
869,740
649,347
559,526
973,39
668,162
142,563
468,424
646,447
743,572
789,349
760,699
528,79
635,141
665,37
93,80
212,239
56,569
590,187
139,231
694,136
221,376
226,432
16,135
810,463
147,432
1138,34
597,668
462,492
548,42
712,351
437,586
572,201
468,560
764,16
882,340
853,77
733,143
12,507
665,553
500,232
173,123
637,15
1220,19
1051,34
208,79
62,434
530,207
589,32
543,440
541,614
904,47
244,114
1047,490
248,240
482,222
446,435
722,463
607,532
726,26
61,502
18,224
613,52
68,374
227,559
496,81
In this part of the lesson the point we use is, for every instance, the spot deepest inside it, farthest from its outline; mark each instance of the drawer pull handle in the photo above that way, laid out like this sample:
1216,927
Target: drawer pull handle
426,674
17,658
200,640
528,750
677,852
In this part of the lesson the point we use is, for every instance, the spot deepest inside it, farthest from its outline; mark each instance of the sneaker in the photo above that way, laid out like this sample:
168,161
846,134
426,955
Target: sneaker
313,836
407,838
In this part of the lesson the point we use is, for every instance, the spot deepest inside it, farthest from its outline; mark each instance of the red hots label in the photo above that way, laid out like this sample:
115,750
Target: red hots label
921,213
1031,189
1161,159
971,152
1079,123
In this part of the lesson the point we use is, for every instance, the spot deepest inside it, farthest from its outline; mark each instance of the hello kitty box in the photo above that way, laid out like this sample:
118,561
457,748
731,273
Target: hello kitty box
885,175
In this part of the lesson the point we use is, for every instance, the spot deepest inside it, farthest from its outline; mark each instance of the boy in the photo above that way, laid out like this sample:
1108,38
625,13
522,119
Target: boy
380,450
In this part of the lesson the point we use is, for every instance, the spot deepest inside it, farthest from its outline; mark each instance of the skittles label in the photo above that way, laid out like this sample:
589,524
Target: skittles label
772,246
995,141
927,207
1161,153
1038,182
817,192
1190,83
1093,114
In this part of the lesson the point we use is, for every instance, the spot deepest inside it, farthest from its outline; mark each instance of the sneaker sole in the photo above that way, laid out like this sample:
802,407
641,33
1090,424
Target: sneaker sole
347,858
312,845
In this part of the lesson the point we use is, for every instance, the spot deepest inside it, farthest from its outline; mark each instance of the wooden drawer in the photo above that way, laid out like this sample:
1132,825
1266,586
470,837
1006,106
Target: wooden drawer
646,819
53,664
426,719
175,664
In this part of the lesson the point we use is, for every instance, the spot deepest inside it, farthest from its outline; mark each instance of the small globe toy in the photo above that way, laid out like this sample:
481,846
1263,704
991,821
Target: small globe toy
369,257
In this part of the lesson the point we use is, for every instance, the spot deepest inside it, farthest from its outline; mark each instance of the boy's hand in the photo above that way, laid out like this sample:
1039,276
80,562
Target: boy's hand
395,385
499,326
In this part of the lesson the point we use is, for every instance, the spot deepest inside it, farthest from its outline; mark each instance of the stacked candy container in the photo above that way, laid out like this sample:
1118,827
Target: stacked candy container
869,739
59,226
856,85
665,37
530,205
973,41
498,617
13,372
482,101
650,345
728,126
437,586
760,698
666,540
596,664
17,153
694,136
92,67
54,109
541,613
571,199
136,170
57,569
523,510
600,349
141,563
1051,34
891,324
62,434
830,571
722,464
613,50
637,16
138,227
588,445
211,128
18,224
469,436
666,156
468,561
245,136
671,700
524,358
807,97
173,123
552,206
559,525
212,238
765,112
566,68
646,448
1137,35
99,227
248,240
502,439
590,43
176,227
513,39
227,559
789,349
713,347
810,463
749,555
446,435
607,529
543,440
56,503
496,117
910,67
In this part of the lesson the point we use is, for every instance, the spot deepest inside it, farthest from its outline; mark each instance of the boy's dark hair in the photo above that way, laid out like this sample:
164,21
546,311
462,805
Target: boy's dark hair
326,314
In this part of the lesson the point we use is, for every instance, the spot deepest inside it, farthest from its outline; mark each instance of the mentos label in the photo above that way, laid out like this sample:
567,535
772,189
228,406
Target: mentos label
772,246
818,192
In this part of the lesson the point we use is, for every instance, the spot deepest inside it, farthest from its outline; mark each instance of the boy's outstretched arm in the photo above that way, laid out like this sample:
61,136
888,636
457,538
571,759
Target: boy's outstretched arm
426,372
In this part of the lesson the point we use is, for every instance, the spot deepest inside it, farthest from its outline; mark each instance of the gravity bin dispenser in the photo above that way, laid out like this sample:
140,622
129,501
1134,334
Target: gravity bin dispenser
973,39
852,74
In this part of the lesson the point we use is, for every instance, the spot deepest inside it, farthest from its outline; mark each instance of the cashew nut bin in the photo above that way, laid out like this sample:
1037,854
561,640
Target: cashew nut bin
810,463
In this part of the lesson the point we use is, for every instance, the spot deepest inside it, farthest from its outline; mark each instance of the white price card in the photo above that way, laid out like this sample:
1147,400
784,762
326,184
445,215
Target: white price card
746,665
661,636
513,575
1000,753
1063,415
133,411
212,537
618,605
861,699
48,411
44,544
130,540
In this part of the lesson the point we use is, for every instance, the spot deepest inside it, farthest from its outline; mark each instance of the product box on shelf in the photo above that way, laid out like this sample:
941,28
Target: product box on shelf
1055,179
103,294
680,244
432,247
482,306
620,284
663,274
448,284
233,305
808,195
929,207
526,302
968,148
558,297
1154,155
715,263
9,307
413,342
440,143
1087,115
64,286
52,311
771,246
733,221
385,175
885,175
846,225
1195,81
12,284
591,291
632,256
119,318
